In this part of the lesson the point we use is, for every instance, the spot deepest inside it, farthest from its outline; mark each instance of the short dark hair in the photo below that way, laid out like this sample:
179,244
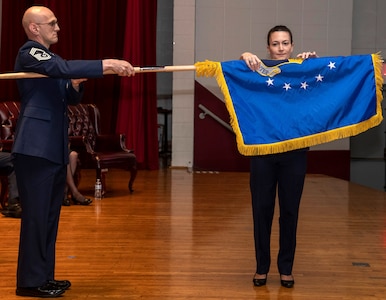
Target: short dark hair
279,28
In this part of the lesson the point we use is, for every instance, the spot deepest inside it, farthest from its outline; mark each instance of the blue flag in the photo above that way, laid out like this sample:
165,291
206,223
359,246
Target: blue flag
293,104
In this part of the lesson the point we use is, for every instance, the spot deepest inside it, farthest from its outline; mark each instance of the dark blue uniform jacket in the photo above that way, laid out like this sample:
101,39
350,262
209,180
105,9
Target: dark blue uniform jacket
42,128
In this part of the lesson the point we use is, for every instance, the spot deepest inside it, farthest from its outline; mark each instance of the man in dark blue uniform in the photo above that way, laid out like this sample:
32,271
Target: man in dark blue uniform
41,146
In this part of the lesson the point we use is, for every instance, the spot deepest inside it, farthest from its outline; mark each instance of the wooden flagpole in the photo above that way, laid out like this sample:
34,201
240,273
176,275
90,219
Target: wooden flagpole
164,69
22,75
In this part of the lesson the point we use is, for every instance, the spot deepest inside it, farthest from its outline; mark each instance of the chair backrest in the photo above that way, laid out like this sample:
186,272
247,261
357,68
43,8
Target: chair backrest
94,117
9,113
83,121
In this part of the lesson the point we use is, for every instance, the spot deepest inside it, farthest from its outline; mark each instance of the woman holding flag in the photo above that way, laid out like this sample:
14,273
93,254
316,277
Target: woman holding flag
284,172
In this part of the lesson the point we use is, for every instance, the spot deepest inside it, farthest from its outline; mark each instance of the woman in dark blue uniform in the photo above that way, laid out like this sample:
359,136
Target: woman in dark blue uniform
284,172
41,146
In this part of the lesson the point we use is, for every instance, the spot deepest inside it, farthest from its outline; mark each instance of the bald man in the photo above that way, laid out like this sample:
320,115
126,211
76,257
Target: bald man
40,149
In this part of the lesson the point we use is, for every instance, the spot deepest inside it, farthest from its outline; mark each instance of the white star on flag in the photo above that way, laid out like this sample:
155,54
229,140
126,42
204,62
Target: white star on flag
287,86
269,81
304,85
331,65
319,77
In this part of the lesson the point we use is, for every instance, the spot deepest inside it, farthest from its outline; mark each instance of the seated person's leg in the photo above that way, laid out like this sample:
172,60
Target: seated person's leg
13,209
77,197
67,199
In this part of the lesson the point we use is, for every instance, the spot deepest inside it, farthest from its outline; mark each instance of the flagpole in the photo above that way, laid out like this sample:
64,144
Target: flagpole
164,69
152,69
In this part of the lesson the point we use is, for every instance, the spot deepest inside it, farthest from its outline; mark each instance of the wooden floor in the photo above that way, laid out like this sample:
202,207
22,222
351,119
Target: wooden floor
187,235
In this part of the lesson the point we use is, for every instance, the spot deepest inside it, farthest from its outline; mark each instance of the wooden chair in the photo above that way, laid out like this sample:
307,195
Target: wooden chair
108,151
95,149
9,112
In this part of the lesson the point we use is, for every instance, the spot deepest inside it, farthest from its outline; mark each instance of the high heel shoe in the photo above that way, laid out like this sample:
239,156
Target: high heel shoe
85,201
287,283
66,202
260,281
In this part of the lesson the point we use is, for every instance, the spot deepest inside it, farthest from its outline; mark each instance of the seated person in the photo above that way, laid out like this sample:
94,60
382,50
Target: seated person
13,209
77,197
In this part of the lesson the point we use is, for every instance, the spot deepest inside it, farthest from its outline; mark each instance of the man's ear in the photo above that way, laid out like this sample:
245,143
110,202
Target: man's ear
33,28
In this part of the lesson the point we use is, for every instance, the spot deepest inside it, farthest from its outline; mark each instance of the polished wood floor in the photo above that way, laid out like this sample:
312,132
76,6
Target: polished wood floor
187,235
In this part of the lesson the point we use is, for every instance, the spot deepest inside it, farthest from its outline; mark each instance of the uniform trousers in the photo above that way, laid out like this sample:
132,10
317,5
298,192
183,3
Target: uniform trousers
284,173
41,184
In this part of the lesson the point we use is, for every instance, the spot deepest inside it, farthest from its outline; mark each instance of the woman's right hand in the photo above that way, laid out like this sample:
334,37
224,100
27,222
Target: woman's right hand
305,55
252,61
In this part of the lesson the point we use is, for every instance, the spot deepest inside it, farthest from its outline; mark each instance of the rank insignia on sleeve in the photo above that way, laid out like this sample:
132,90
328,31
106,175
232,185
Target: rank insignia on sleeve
39,54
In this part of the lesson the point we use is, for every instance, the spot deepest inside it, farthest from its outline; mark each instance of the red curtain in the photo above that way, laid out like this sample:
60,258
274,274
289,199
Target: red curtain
12,37
137,114
95,29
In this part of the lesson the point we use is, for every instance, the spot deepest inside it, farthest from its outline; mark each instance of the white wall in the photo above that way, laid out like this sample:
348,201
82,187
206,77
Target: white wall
183,83
226,28
369,27
367,149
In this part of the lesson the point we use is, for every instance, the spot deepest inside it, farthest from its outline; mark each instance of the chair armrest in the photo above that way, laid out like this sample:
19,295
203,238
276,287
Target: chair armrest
123,143
87,144
110,143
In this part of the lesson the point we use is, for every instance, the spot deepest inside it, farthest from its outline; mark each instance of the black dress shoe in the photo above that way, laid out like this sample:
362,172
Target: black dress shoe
45,291
66,202
85,201
259,281
287,283
60,284
13,211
